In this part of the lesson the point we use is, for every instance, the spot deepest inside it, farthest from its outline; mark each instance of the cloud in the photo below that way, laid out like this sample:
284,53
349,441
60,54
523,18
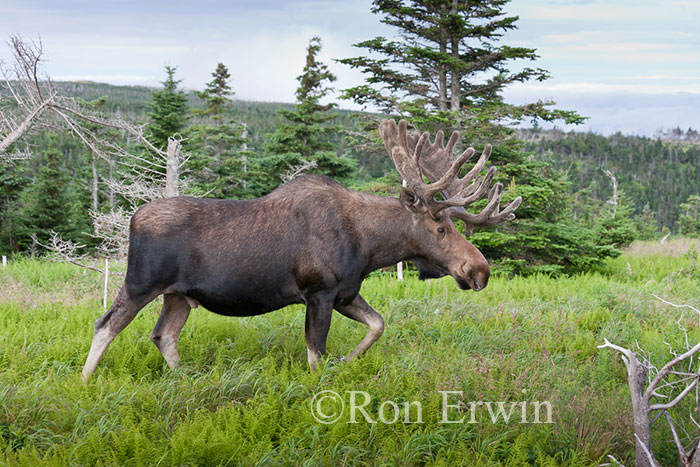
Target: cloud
592,12
626,112
600,87
598,51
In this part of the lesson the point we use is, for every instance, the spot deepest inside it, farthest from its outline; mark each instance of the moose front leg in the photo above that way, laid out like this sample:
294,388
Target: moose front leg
318,322
359,310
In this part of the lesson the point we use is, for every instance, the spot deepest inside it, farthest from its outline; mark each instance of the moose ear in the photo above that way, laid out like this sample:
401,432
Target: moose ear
410,201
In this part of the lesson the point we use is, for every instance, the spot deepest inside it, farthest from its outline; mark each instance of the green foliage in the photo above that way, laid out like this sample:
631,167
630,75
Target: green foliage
448,69
51,203
689,221
325,162
304,136
544,237
216,159
615,225
216,95
216,146
244,393
660,174
647,227
12,182
169,111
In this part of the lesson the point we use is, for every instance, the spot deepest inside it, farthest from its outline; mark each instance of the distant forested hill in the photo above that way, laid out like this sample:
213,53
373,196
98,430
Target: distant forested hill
659,172
132,102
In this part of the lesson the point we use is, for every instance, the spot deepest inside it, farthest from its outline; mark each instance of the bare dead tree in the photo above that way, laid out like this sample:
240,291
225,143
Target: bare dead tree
665,388
614,200
26,95
32,102
142,183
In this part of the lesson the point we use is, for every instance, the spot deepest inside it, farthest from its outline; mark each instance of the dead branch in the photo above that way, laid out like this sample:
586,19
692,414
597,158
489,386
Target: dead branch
37,104
66,251
684,383
298,170
677,306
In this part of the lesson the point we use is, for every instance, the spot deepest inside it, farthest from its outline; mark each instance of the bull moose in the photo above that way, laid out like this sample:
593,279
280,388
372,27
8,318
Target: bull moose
310,241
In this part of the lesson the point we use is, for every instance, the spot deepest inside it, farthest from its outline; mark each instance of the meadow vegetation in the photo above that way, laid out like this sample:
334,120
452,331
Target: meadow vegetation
243,395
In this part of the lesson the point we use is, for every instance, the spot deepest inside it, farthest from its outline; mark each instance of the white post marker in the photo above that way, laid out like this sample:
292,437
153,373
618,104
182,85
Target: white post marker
399,265
104,297
4,261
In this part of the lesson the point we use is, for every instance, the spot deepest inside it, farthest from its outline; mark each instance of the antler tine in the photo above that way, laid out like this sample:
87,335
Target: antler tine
490,215
419,147
449,176
472,193
394,138
479,164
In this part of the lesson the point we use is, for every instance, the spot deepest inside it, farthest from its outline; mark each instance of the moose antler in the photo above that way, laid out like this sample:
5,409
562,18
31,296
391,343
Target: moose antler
415,157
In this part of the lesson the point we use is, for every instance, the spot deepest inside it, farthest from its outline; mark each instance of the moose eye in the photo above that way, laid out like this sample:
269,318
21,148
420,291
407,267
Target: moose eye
441,231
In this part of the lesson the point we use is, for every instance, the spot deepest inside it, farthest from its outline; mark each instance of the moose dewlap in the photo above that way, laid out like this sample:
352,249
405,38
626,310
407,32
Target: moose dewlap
310,241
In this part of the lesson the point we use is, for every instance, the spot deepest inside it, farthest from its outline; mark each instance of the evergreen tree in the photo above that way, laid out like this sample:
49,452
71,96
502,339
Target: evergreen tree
447,70
647,227
169,112
544,237
304,136
50,204
689,221
217,94
217,160
12,182
615,224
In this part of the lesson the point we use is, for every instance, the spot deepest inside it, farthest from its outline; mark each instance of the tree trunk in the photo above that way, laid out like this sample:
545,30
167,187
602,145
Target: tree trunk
636,376
695,460
455,96
111,190
172,168
442,104
244,158
93,194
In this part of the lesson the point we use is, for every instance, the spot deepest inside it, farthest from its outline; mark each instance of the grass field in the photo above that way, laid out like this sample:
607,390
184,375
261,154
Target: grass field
244,394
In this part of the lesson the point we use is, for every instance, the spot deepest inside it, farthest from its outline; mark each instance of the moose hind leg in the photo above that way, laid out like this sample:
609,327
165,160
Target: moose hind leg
318,322
176,310
359,310
119,315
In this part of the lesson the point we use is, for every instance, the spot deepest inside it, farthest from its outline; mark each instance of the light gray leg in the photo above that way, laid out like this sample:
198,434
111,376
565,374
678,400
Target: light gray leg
176,310
360,311
119,315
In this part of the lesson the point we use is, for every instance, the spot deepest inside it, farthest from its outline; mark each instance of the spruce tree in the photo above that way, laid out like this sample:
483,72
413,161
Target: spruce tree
217,94
646,224
689,221
217,161
169,112
50,204
615,224
305,135
447,70
12,182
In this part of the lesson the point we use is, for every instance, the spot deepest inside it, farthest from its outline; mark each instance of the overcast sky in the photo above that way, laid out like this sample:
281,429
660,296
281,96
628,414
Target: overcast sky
629,65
